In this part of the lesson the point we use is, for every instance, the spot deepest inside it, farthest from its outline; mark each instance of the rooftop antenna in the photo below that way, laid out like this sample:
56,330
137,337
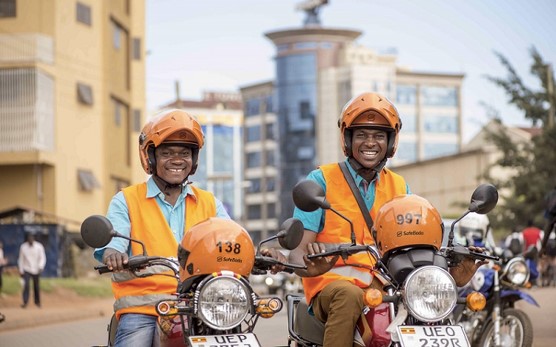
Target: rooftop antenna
311,8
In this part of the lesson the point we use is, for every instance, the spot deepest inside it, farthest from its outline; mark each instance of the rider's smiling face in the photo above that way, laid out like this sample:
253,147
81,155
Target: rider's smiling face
369,146
173,162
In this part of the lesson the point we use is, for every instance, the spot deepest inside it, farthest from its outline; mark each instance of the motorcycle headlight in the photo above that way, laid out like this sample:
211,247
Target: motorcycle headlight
516,271
223,302
430,293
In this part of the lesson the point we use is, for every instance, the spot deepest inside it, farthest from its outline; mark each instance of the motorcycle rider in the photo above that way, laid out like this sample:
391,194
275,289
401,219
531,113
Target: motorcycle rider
369,130
157,212
474,228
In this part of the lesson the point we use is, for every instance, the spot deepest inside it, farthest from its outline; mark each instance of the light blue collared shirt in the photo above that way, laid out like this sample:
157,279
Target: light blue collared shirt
118,214
314,221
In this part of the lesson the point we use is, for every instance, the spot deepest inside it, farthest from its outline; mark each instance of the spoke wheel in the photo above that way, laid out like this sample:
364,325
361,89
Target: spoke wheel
516,330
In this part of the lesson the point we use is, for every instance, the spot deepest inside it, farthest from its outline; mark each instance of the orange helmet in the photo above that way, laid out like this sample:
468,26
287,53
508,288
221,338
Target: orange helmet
370,110
213,245
171,126
407,220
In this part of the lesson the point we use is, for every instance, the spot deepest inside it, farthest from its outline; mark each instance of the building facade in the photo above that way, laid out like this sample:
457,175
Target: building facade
72,103
319,69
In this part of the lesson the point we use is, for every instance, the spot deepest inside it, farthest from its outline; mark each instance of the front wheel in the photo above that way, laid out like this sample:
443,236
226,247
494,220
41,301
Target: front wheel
516,330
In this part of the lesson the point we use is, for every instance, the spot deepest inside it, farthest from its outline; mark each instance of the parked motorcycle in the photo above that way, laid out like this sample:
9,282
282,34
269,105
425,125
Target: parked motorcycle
214,303
419,294
501,323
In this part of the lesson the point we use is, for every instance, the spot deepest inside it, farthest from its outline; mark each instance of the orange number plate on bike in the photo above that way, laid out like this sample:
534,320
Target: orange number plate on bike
236,340
432,336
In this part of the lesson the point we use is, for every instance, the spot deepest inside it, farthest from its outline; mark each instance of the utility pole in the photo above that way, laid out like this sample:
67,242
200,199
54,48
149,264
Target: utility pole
550,92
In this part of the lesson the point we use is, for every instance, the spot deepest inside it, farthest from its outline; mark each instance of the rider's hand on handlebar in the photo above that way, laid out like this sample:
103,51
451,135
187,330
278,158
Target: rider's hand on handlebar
320,265
114,260
464,271
276,254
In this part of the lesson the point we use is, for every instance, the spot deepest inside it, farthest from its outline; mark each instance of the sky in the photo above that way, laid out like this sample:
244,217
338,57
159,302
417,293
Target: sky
219,45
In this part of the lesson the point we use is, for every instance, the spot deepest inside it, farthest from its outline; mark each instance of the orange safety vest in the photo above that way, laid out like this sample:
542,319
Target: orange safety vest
139,295
337,230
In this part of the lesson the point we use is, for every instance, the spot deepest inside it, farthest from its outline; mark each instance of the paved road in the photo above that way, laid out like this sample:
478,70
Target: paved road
271,332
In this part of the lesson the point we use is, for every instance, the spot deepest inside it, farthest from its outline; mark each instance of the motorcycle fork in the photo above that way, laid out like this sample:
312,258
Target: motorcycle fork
496,314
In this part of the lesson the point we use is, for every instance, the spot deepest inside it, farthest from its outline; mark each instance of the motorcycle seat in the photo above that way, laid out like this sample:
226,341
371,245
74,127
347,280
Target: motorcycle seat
307,325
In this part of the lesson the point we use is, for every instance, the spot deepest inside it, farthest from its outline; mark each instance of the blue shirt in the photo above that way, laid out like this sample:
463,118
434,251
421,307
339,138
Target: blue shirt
118,214
314,221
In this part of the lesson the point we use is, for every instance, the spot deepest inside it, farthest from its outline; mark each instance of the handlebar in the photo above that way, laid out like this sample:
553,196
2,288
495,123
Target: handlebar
139,262
263,264
343,250
458,252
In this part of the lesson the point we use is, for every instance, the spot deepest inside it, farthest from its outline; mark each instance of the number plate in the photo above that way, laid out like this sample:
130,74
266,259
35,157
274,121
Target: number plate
236,340
432,336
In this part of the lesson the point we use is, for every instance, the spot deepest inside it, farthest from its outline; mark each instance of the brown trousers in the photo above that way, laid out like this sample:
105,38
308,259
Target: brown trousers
339,306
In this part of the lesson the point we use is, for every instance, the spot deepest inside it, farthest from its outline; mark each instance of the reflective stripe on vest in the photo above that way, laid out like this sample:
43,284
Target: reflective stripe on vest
337,230
148,224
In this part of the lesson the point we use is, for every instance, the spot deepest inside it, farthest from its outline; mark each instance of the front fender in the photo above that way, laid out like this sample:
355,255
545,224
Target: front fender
522,295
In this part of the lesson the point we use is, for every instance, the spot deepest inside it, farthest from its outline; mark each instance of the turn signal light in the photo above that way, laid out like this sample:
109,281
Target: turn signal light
372,297
476,301
267,307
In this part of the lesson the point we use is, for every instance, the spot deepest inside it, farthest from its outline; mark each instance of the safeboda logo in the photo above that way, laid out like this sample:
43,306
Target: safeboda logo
402,233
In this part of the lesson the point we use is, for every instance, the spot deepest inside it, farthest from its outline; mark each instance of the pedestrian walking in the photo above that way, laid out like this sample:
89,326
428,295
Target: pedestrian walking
31,262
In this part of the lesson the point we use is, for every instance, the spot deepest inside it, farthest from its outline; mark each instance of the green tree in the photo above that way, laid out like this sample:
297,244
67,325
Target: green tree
534,163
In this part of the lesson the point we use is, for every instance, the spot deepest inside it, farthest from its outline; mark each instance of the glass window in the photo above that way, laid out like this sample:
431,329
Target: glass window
439,96
270,158
407,151
406,94
223,137
87,180
254,212
433,150
137,120
409,122
271,210
83,13
84,94
253,159
253,133
254,185
270,131
305,45
440,124
116,35
270,184
136,48
7,8
252,107
305,153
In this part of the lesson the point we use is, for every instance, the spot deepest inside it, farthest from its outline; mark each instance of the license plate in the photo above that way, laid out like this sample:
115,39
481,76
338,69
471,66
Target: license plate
432,336
235,340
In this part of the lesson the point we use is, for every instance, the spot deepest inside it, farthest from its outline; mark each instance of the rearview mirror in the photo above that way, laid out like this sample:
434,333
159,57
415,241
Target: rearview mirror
291,233
97,231
484,199
309,196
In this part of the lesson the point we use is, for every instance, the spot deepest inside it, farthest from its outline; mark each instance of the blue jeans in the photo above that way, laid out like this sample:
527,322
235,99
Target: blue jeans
137,330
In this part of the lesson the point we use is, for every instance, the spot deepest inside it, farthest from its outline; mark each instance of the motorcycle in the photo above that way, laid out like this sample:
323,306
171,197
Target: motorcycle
418,293
501,323
214,303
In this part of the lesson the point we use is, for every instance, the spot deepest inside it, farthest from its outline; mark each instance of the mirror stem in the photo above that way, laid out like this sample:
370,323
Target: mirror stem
350,225
451,235
132,240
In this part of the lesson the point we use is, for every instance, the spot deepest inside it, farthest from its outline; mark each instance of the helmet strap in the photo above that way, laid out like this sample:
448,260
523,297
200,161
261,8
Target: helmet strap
368,174
167,185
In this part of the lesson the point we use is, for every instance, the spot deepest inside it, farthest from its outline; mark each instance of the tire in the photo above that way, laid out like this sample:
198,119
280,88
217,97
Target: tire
516,330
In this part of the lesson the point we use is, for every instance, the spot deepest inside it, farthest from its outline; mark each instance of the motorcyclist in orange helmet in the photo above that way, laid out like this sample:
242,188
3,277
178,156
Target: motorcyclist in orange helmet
369,130
157,212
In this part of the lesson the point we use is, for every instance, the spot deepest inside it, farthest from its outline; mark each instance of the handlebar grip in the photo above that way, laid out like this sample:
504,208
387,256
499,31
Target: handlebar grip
102,269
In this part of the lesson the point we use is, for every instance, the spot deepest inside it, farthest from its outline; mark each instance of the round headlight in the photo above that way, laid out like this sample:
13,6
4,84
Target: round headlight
223,302
430,293
516,271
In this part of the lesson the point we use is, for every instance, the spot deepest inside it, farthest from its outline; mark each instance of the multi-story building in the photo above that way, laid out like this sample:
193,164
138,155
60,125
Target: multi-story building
318,70
260,158
72,103
220,161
